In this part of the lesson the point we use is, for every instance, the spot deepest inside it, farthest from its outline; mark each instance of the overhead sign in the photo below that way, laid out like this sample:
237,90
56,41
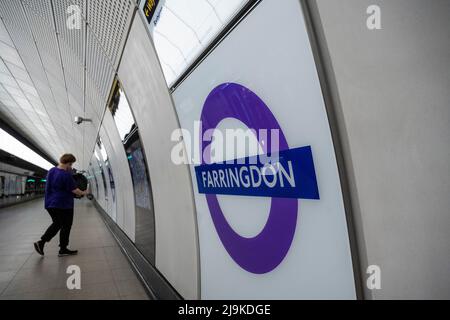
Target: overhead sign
149,8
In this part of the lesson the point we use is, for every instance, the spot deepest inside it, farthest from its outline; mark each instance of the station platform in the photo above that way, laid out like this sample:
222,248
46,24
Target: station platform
106,273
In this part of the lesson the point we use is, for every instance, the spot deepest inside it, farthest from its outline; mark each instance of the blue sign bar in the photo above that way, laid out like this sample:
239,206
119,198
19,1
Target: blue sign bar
292,176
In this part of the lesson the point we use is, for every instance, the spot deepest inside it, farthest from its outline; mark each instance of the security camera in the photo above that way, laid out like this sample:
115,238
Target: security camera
80,120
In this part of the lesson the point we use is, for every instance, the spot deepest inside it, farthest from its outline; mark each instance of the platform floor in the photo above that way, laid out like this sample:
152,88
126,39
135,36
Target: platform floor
105,271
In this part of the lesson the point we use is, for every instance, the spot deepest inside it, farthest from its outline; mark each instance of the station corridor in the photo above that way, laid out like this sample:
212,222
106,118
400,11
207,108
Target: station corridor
106,273
225,150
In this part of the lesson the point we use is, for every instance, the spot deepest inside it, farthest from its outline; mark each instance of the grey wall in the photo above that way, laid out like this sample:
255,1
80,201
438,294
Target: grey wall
175,224
392,104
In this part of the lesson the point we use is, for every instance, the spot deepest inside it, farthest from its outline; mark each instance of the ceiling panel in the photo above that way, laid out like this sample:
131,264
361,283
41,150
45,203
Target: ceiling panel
109,22
25,53
49,73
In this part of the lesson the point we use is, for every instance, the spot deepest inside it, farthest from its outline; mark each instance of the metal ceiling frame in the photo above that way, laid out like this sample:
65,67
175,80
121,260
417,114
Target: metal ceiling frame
62,60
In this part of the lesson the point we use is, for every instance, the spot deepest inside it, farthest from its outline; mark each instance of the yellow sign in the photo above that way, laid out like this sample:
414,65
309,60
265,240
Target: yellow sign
150,8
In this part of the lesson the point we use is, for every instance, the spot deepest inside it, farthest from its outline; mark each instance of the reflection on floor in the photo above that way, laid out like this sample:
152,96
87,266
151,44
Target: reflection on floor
11,200
105,272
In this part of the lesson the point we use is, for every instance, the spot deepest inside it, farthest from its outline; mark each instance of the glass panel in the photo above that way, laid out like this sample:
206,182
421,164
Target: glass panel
15,187
120,109
104,155
145,231
94,178
96,186
111,181
102,150
182,30
129,133
100,171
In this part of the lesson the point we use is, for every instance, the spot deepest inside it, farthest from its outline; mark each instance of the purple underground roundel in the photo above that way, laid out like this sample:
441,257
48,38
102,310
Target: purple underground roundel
265,252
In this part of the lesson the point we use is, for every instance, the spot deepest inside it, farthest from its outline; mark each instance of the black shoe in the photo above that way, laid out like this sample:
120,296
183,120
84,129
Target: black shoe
39,247
67,252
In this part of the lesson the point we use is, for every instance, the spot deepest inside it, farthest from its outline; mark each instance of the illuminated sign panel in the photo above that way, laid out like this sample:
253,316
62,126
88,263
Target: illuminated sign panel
150,9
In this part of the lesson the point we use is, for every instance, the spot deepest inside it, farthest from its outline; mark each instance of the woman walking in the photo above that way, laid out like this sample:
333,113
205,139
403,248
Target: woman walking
60,190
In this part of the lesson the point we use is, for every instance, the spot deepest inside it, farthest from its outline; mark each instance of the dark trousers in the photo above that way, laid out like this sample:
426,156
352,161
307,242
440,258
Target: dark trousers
62,221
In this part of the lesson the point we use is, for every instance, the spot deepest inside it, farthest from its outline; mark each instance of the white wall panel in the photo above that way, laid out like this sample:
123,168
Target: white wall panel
98,174
122,177
112,210
109,199
393,105
175,225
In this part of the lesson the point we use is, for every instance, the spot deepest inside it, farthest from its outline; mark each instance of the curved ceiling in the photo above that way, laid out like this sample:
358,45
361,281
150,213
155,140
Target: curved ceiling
52,70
